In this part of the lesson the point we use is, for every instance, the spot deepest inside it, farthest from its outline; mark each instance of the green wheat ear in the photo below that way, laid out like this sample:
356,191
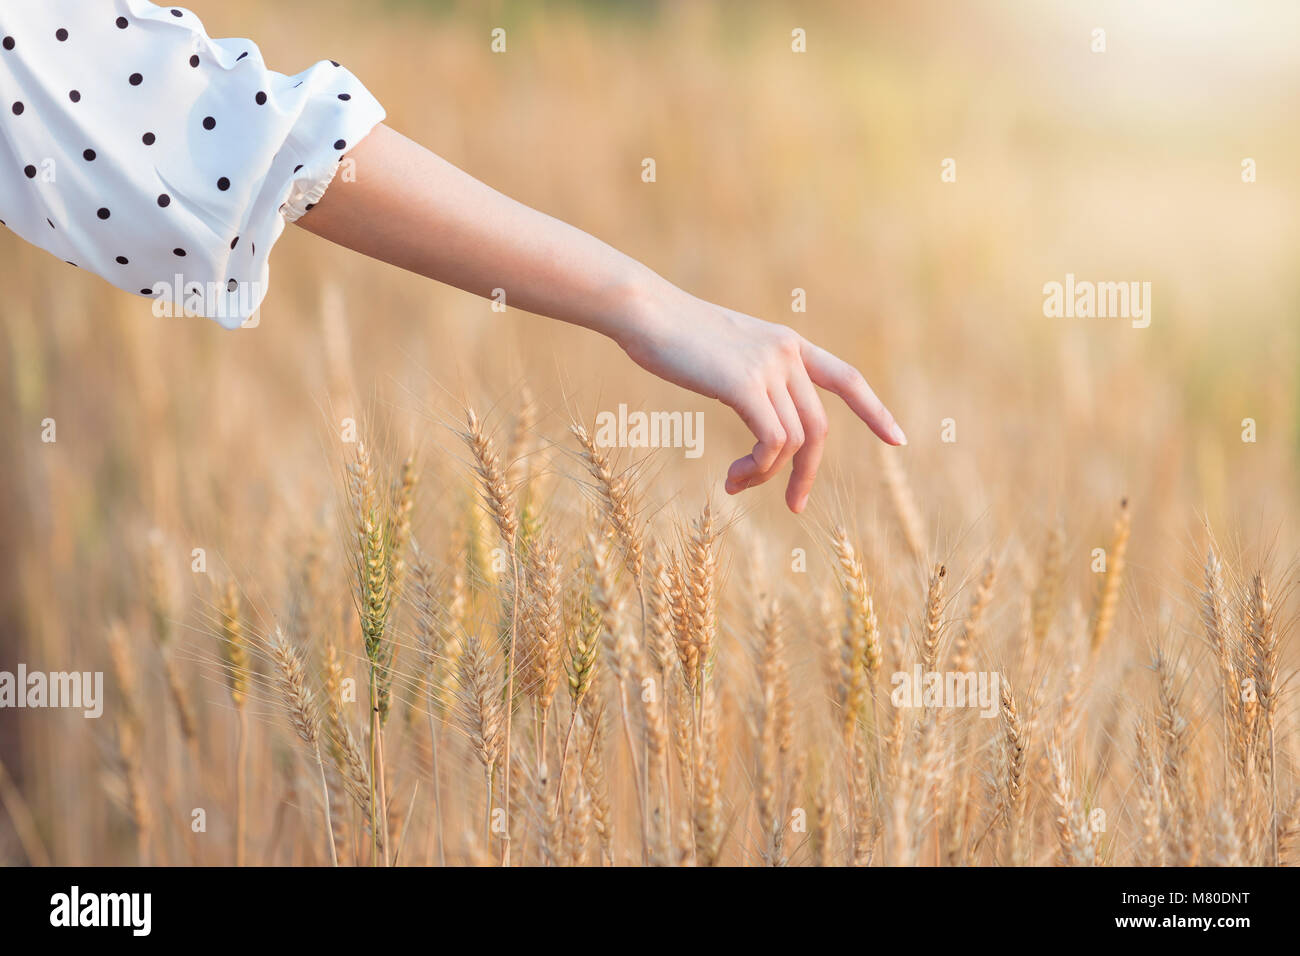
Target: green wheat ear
584,645
234,647
374,592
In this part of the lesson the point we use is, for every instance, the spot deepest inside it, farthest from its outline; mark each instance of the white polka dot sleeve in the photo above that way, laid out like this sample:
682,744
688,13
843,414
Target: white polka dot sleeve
135,146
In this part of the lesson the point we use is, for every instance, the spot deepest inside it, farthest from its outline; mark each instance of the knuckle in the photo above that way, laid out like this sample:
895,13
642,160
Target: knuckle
850,377
787,341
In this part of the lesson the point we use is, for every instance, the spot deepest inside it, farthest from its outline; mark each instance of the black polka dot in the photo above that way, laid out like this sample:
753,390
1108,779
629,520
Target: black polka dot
18,108
309,207
146,291
8,43
335,62
177,13
209,123
178,252
103,213
234,242
60,34
121,23
241,56
345,96
253,248
88,155
164,200
232,285
30,171
75,96
148,139
340,144
135,79
260,98
298,167
223,184
123,261
194,60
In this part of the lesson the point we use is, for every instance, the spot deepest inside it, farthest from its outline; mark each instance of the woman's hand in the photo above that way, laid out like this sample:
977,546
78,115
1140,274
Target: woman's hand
765,372
417,211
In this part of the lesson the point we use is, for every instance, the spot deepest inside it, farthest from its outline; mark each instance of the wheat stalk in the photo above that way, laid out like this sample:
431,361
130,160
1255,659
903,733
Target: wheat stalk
501,505
374,600
235,650
300,704
484,712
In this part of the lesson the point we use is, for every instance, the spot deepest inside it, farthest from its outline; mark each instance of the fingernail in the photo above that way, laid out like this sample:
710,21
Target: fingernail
898,435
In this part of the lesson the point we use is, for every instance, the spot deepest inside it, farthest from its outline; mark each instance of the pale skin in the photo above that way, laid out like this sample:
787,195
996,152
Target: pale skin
413,209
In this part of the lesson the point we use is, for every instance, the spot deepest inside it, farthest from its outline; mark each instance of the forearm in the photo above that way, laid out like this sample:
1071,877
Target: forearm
410,208
413,209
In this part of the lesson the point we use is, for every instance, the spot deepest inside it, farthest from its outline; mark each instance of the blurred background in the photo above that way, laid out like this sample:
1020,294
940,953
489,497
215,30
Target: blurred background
776,170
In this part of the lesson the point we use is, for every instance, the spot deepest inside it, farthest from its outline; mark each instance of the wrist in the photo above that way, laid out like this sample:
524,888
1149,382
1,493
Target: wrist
643,303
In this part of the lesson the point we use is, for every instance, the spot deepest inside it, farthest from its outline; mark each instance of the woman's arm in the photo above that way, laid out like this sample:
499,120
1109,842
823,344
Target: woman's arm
413,209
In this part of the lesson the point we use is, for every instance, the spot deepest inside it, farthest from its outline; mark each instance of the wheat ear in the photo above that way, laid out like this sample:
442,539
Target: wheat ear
291,678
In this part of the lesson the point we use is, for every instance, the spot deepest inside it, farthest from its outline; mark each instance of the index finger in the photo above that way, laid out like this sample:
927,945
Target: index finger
836,375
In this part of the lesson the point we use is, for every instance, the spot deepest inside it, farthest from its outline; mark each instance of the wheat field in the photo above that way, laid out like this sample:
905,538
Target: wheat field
366,588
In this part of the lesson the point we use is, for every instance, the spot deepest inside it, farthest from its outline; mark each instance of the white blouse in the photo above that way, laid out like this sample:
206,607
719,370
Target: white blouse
135,146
